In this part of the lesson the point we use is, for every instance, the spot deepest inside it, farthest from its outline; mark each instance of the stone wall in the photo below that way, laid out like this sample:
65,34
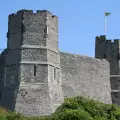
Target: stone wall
32,74
85,76
27,73
28,54
34,27
14,31
2,70
53,57
1,74
34,99
110,50
36,76
55,89
11,84
13,56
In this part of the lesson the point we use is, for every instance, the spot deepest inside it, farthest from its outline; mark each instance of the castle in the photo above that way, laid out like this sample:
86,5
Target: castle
35,76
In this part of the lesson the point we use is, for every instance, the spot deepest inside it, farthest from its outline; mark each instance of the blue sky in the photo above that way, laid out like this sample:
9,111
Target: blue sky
79,21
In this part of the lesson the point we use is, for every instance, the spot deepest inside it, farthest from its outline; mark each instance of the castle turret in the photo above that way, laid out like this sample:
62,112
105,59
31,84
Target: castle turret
111,51
32,80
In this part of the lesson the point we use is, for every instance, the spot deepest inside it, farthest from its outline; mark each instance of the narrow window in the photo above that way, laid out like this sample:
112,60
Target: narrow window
23,29
34,70
53,16
118,56
118,49
105,56
54,73
46,29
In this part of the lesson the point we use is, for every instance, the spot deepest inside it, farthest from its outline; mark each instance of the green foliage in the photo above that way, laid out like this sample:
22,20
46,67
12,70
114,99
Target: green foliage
94,110
77,108
14,116
74,115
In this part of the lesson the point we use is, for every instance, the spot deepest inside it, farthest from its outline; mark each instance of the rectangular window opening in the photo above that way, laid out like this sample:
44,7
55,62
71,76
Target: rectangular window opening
34,70
54,73
105,56
118,56
46,29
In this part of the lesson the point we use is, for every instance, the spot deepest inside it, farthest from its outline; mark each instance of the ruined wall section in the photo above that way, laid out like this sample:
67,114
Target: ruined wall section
85,76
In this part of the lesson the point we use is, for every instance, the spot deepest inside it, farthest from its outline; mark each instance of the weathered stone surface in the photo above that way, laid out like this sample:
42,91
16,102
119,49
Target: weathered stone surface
85,76
34,54
110,51
35,77
116,97
27,73
32,73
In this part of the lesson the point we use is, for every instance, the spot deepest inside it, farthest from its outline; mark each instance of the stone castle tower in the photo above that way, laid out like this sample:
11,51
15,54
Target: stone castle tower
110,50
32,63
35,76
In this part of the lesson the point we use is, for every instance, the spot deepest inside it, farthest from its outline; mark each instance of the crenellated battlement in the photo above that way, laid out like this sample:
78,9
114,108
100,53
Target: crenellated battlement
30,12
34,73
27,27
116,41
102,39
110,50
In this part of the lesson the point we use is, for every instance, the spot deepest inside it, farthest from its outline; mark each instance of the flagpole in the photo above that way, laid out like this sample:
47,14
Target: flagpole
105,25
105,21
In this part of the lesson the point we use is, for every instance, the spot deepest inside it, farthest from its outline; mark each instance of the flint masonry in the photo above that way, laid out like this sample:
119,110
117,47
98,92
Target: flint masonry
35,76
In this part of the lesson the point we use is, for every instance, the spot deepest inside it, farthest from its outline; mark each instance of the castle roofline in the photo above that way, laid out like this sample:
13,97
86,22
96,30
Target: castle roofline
22,11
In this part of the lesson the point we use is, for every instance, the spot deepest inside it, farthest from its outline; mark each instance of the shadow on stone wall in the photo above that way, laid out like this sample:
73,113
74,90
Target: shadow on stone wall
8,97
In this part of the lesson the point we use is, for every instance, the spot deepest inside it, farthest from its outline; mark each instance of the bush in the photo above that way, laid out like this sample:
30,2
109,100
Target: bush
95,109
74,115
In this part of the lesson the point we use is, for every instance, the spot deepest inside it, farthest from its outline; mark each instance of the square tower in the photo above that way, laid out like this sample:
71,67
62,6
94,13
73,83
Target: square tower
110,50
32,79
